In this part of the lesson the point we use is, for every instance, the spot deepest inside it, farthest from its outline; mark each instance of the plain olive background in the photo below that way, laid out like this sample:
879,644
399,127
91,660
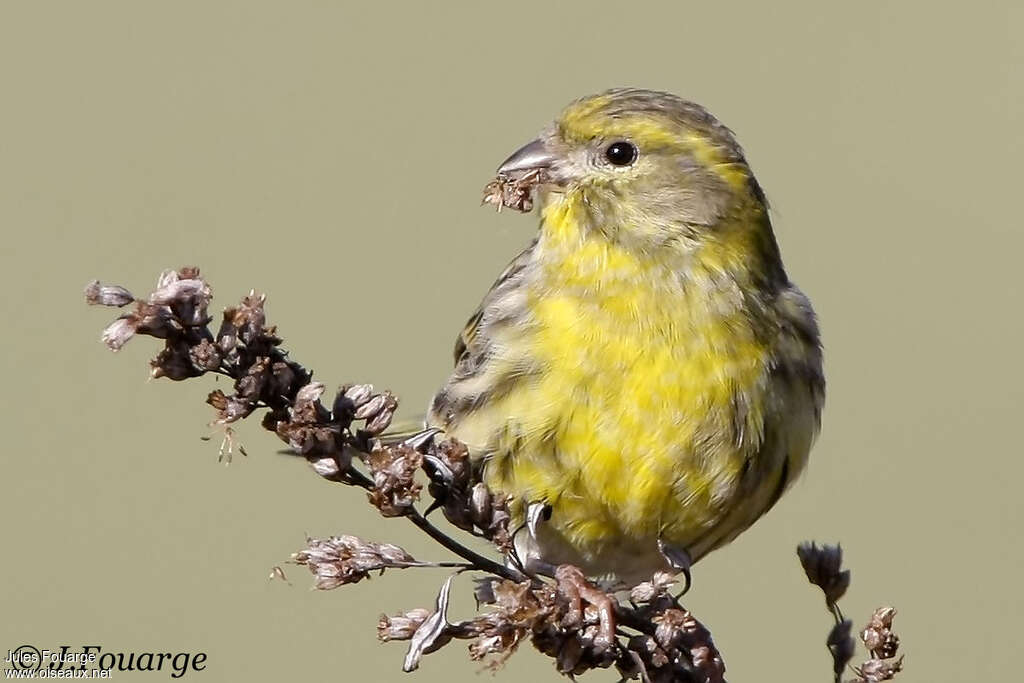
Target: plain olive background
333,155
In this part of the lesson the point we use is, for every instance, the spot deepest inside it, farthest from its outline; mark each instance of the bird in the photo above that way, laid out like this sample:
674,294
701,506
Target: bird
643,381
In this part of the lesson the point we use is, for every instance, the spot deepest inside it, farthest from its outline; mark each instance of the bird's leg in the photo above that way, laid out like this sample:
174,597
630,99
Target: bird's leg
577,589
571,591
678,559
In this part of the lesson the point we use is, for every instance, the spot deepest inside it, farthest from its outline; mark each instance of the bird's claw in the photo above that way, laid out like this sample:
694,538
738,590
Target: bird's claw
577,589
679,560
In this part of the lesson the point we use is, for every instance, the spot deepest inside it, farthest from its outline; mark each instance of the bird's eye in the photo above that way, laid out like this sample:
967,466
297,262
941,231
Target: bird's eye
620,153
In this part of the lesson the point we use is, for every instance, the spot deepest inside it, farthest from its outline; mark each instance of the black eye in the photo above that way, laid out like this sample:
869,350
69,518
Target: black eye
620,153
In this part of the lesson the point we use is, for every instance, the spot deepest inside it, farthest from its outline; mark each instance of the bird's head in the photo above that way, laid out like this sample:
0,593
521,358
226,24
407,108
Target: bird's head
646,166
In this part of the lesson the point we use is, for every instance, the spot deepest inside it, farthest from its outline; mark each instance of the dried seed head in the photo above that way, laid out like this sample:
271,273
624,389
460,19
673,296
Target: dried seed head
371,407
166,278
180,291
378,412
380,422
513,192
497,644
655,588
649,652
358,394
518,609
174,363
883,617
669,627
331,466
401,626
878,636
185,299
875,670
309,393
307,409
249,386
284,379
349,399
229,408
840,644
494,193
308,438
204,356
341,560
393,470
218,399
155,321
97,294
119,332
249,317
497,530
227,336
823,567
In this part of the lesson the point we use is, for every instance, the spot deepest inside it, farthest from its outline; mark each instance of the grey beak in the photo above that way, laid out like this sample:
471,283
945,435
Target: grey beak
529,157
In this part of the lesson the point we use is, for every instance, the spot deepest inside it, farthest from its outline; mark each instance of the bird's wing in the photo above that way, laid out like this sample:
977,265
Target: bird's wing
468,354
468,333
465,348
500,306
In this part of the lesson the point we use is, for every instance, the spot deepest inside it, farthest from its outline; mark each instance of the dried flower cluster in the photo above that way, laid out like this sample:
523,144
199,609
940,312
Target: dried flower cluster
515,192
823,567
341,560
580,625
571,621
883,644
465,501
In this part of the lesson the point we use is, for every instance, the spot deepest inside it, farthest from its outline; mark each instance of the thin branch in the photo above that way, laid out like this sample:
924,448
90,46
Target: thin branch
476,560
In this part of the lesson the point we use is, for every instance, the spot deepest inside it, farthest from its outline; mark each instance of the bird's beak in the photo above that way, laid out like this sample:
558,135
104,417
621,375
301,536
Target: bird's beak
532,156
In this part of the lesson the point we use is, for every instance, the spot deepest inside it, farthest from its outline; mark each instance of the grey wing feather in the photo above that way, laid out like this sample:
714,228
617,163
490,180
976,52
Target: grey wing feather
464,346
472,346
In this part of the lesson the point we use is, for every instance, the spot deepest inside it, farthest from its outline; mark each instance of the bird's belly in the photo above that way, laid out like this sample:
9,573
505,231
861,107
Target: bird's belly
639,425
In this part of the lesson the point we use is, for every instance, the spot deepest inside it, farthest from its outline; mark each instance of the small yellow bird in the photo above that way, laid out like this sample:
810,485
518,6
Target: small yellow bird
643,380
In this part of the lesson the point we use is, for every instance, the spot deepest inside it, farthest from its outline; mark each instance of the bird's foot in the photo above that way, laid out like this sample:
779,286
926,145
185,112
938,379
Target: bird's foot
577,590
679,560
526,554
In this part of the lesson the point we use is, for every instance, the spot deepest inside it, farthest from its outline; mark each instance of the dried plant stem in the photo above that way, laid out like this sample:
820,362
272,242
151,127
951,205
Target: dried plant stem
837,613
476,560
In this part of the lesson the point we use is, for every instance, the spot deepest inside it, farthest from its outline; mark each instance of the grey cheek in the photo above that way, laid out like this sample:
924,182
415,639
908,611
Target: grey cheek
585,160
688,165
